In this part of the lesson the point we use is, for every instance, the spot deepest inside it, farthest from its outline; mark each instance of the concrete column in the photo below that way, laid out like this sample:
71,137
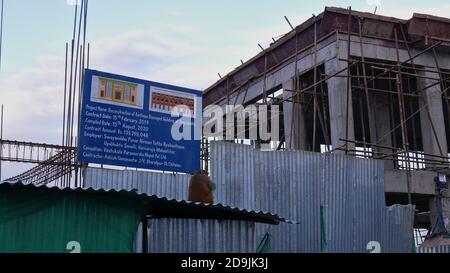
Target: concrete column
337,96
432,144
382,120
294,120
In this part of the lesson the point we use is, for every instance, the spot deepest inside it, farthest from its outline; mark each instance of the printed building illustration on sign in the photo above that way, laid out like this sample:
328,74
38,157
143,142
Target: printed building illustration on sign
116,92
164,101
122,92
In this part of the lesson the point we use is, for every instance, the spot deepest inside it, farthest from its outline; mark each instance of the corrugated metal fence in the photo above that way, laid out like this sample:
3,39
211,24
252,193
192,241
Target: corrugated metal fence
338,200
172,186
199,236
176,235
296,185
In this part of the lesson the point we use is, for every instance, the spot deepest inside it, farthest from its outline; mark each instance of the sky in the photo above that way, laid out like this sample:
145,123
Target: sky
180,42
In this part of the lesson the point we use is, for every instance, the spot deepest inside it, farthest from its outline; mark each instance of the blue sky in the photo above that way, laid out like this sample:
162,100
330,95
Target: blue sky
182,42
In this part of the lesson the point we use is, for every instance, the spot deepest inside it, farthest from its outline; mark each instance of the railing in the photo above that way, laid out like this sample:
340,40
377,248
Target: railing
402,160
28,152
54,162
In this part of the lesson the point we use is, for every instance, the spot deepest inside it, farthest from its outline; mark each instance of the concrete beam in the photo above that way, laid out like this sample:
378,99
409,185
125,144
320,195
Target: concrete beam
422,182
385,50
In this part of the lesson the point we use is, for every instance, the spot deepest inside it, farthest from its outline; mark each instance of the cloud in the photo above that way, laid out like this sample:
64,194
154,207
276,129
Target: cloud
33,99
33,95
179,56
139,52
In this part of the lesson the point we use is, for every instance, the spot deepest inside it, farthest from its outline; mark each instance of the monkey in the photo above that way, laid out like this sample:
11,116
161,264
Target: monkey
201,188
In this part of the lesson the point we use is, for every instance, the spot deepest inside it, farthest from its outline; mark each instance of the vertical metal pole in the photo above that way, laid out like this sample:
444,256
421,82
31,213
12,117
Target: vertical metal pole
392,118
82,66
69,111
88,53
324,113
348,97
361,111
86,4
321,121
64,110
315,87
76,172
265,79
226,126
413,127
207,155
68,136
403,119
202,154
372,126
74,94
80,91
296,97
76,72
77,113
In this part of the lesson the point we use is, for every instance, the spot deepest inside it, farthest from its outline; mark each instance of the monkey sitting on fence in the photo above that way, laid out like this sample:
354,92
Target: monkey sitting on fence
201,188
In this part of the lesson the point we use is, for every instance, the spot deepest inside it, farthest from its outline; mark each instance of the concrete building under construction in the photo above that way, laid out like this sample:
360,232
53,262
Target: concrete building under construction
362,155
365,85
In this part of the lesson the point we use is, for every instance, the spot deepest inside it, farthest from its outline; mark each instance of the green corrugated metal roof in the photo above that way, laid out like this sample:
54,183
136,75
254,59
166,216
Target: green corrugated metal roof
171,208
42,219
36,220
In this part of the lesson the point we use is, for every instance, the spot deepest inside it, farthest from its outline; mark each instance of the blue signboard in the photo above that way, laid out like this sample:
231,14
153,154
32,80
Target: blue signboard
141,124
